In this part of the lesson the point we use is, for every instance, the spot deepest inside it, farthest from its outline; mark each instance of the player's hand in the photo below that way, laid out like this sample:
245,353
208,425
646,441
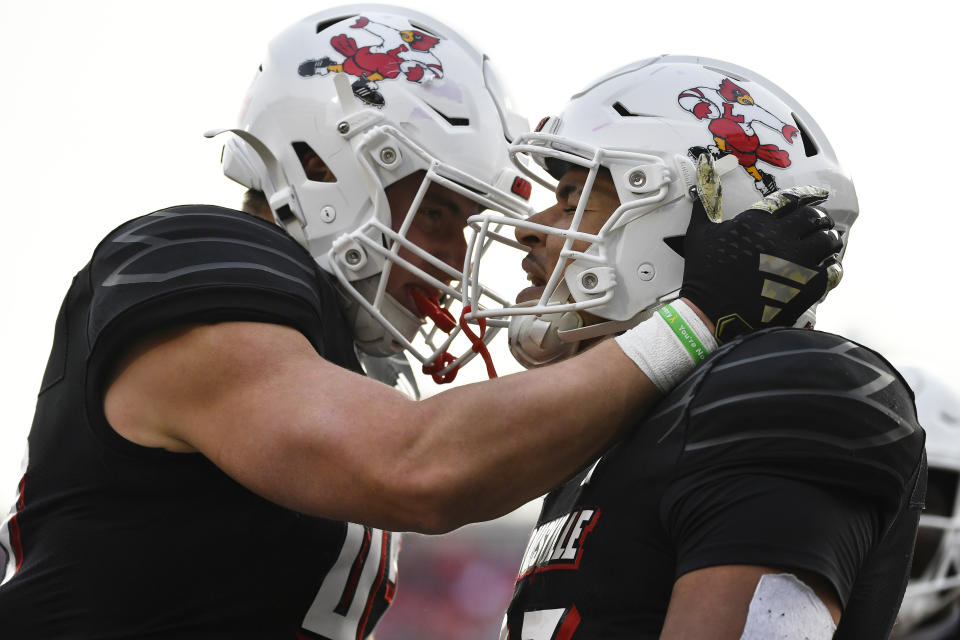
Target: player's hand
764,267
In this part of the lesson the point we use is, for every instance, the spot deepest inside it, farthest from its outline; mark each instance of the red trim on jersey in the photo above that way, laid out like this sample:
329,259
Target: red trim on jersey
565,564
384,558
571,620
14,526
350,589
583,535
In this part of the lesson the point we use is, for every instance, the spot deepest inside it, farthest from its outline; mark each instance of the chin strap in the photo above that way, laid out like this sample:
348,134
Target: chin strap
478,345
445,321
434,368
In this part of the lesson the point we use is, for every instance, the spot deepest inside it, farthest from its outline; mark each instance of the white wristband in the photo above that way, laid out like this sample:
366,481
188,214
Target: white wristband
668,345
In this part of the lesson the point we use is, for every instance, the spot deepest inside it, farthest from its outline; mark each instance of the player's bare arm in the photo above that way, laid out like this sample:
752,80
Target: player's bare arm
263,406
715,602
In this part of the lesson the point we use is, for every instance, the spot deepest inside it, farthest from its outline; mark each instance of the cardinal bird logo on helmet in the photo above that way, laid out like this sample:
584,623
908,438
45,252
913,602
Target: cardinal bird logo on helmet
733,115
375,52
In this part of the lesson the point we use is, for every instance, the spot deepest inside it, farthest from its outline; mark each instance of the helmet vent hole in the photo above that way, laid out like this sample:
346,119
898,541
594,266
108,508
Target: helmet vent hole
626,113
315,169
332,21
809,146
429,32
454,122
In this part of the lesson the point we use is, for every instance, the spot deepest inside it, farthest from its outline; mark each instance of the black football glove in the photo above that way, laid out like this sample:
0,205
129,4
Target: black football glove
764,267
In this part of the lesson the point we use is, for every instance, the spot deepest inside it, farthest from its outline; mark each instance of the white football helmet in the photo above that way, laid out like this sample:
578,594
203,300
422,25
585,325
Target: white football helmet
378,93
935,576
650,123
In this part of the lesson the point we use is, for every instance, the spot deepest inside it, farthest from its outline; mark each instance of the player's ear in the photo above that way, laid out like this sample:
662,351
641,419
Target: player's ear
313,165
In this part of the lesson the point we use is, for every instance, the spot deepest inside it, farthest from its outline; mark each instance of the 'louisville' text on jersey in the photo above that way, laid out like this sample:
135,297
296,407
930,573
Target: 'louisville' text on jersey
558,543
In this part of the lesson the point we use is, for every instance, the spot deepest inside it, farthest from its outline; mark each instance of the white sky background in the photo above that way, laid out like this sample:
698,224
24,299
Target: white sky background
102,107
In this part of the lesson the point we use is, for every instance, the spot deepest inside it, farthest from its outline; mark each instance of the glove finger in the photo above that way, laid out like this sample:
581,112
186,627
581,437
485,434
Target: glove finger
786,201
817,248
809,294
808,195
699,222
834,271
807,220
698,217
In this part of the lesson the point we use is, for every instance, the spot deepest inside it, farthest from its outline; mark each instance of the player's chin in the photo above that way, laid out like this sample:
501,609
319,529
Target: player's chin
530,293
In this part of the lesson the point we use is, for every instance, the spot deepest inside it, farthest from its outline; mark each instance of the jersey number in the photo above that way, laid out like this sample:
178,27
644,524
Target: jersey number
342,608
549,624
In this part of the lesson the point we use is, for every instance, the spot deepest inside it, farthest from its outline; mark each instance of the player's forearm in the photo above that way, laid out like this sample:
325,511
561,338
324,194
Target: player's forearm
468,454
498,444
263,406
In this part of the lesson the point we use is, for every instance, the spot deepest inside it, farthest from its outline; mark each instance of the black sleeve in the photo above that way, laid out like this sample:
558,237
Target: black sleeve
809,406
772,521
799,450
197,264
200,264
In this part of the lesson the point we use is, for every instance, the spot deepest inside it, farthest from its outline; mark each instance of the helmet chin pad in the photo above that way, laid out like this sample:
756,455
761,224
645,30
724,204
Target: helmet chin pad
370,334
535,339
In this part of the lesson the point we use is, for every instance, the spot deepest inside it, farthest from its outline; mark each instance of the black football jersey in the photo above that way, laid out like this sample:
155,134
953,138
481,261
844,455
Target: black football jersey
789,448
110,539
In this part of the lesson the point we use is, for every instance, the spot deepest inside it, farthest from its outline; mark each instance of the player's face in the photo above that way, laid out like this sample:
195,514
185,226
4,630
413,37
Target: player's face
437,228
545,248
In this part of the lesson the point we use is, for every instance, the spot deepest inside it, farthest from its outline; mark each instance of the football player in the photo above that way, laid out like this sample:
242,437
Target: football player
931,604
773,493
204,437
